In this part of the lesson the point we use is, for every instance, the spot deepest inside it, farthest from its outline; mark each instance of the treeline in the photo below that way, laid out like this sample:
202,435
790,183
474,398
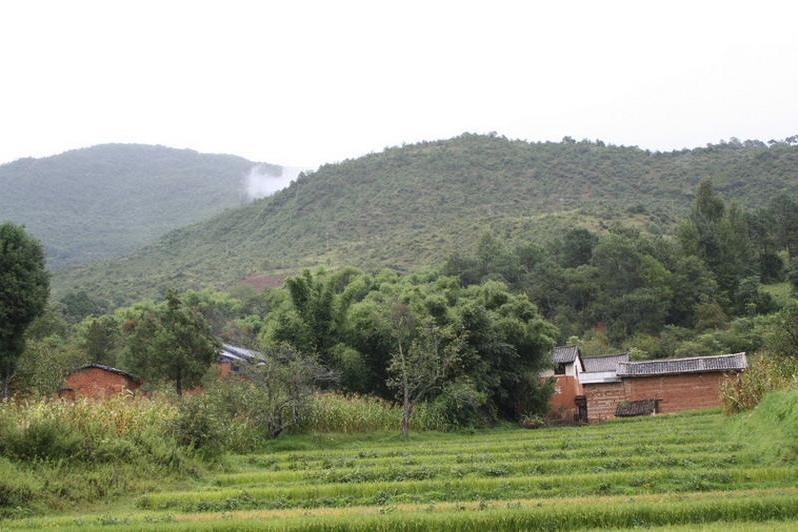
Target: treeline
656,294
468,338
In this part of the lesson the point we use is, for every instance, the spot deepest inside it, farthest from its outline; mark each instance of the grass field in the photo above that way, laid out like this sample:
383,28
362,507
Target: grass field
677,471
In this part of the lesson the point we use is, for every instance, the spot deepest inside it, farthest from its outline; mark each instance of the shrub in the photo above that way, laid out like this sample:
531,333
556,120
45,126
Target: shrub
462,405
17,489
199,426
765,374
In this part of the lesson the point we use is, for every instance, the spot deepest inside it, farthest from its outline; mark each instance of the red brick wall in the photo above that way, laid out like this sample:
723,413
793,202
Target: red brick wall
97,383
602,399
677,392
562,405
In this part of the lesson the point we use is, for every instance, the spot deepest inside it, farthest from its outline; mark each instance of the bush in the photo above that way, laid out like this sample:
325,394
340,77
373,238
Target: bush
17,489
200,426
462,405
765,373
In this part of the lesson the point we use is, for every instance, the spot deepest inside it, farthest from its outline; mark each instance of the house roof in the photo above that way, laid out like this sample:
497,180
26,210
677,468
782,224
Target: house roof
233,352
604,362
565,354
671,366
110,369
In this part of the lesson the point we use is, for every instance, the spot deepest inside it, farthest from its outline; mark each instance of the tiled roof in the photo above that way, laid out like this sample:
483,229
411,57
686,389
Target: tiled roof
646,368
565,354
604,362
109,368
644,407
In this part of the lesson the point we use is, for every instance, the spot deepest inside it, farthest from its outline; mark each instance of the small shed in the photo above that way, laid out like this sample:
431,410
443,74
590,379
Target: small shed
99,382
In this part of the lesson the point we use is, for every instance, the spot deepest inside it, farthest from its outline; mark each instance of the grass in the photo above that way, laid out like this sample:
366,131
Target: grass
675,472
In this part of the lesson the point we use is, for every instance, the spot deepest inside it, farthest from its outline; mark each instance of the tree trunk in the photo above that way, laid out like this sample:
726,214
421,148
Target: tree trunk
6,387
406,416
179,384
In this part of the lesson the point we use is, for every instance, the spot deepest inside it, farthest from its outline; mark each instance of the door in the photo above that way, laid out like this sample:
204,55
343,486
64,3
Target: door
581,408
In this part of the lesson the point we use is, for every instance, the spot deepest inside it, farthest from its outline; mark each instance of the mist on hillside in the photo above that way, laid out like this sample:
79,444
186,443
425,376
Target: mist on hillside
264,180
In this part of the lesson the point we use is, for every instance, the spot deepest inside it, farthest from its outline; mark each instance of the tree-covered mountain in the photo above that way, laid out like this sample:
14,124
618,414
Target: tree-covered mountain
111,199
414,205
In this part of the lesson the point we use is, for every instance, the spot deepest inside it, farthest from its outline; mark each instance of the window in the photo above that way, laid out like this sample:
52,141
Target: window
560,369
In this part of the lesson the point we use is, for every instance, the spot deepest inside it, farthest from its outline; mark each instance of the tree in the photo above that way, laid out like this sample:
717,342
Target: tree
782,338
171,341
24,289
577,247
285,381
425,354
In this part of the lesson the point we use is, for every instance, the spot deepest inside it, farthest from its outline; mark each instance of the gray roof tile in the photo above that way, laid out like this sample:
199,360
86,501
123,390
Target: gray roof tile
565,354
647,368
604,362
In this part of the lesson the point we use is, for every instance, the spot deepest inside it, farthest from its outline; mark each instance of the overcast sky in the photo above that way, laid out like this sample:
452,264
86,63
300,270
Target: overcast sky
303,83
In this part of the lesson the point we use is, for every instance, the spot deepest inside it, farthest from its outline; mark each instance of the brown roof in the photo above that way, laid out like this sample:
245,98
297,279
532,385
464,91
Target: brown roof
604,362
565,354
108,368
671,366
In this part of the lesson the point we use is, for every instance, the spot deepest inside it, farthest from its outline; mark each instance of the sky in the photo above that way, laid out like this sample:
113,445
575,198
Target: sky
305,83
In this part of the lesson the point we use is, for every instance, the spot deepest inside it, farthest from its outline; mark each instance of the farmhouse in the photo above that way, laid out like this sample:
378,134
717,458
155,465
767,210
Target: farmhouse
232,358
98,382
591,389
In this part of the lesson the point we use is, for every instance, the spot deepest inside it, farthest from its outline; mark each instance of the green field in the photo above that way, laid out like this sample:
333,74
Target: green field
664,471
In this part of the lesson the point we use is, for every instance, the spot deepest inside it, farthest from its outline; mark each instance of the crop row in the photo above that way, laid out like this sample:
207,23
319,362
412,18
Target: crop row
474,488
408,457
756,507
473,466
530,446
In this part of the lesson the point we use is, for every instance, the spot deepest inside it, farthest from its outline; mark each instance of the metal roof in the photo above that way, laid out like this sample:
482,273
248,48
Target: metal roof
604,362
672,366
565,354
236,352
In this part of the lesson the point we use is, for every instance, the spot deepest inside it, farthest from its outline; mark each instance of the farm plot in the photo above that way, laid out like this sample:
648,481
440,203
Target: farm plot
662,471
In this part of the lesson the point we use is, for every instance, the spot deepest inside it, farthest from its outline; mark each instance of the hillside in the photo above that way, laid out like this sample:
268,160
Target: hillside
413,205
111,199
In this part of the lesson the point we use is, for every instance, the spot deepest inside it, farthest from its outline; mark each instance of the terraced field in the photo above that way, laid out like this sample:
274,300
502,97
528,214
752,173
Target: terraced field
664,471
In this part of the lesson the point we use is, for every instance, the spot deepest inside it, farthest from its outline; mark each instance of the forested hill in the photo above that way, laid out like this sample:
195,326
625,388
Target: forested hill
111,199
413,205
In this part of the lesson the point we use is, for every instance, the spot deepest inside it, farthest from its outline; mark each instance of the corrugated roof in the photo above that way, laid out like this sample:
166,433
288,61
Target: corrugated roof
234,351
604,362
646,368
109,368
565,354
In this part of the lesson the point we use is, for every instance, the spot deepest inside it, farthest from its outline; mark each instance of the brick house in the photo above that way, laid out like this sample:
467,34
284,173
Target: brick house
611,386
98,382
567,368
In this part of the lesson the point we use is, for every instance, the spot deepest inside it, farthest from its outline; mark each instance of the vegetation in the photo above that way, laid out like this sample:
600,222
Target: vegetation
412,206
24,288
171,342
109,200
655,471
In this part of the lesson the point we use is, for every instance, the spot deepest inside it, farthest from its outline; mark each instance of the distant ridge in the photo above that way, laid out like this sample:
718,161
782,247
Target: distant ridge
411,206
111,199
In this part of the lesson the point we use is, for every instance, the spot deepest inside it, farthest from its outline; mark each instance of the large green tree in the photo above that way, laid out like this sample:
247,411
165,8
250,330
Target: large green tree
171,341
24,288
